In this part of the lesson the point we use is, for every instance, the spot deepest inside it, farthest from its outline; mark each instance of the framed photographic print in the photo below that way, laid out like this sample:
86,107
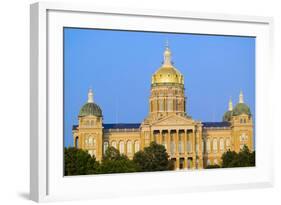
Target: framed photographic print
177,100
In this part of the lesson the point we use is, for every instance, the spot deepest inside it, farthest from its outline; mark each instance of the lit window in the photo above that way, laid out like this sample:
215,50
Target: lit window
113,144
221,144
129,147
90,141
137,146
90,152
215,145
208,145
105,146
227,142
121,147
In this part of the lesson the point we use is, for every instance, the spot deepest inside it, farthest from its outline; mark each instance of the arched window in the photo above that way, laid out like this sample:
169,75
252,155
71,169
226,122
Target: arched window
90,141
227,143
121,147
137,146
208,145
91,152
113,144
215,145
105,146
129,147
208,162
77,142
221,144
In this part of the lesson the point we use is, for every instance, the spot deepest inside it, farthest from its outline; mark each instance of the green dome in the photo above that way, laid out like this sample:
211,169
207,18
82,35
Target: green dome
227,116
241,108
90,109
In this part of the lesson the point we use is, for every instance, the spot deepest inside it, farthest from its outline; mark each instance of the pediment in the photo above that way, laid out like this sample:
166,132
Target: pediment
174,120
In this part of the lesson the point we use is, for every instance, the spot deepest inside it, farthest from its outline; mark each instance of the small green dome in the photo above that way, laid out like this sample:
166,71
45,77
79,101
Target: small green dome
90,108
241,108
227,116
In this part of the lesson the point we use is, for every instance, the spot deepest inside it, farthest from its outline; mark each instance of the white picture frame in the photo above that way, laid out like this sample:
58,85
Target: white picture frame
47,182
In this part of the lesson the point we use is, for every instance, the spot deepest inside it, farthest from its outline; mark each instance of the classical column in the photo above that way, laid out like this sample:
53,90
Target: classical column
193,150
177,149
177,143
160,136
185,163
125,147
184,147
185,143
168,142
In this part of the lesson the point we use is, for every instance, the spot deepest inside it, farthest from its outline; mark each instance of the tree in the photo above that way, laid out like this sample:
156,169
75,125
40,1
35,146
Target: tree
153,158
79,162
114,162
244,158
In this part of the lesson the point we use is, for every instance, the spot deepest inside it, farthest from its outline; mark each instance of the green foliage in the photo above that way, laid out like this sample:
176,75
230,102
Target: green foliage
114,162
244,158
153,158
79,162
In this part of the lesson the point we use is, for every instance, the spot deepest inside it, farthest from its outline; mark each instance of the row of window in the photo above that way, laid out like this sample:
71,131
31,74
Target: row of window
221,143
169,105
132,147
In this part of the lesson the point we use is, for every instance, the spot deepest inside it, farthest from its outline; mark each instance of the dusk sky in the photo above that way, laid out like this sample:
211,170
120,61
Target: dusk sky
118,66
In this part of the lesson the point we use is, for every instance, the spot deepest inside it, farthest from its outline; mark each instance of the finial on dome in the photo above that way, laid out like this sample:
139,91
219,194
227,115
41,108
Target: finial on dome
241,97
167,54
90,96
230,106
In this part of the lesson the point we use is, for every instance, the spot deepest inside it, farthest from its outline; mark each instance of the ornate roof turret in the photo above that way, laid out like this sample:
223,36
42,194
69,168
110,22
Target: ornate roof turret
90,108
241,107
228,114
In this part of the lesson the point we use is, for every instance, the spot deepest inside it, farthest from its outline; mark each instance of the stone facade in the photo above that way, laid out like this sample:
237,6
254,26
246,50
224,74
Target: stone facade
192,144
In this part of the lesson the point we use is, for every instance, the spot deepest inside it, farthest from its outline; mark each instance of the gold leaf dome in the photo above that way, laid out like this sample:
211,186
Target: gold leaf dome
167,73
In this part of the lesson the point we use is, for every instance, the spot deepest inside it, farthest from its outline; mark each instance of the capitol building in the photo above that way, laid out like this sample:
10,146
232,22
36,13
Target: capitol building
190,143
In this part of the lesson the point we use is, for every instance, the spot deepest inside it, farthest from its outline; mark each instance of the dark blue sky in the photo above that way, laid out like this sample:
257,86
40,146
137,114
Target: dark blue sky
118,66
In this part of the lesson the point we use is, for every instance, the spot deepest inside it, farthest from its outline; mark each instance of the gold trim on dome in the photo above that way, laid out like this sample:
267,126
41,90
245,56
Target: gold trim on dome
167,73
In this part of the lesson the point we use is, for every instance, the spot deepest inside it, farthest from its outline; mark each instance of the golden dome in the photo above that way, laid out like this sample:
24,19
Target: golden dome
167,73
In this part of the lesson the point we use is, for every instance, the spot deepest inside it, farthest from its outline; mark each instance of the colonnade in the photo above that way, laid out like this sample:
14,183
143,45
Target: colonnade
183,146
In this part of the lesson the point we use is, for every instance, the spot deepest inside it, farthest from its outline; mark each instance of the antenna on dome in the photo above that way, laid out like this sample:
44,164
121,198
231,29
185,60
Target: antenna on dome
167,54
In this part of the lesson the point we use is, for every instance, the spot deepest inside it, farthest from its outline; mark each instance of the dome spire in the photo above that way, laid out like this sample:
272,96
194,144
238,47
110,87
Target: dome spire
167,54
90,96
241,97
230,106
